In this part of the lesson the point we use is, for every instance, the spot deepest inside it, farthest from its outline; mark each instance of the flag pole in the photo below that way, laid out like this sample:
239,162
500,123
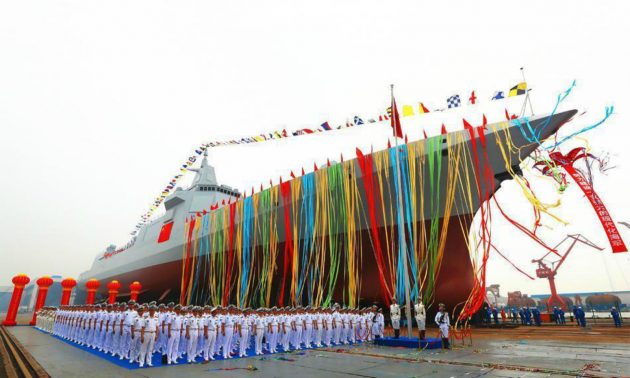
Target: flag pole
527,99
401,225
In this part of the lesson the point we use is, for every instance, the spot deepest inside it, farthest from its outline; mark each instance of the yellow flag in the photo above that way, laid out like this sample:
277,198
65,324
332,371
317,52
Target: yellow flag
407,110
518,89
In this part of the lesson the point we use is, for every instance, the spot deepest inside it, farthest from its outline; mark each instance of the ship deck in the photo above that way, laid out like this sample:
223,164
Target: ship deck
598,351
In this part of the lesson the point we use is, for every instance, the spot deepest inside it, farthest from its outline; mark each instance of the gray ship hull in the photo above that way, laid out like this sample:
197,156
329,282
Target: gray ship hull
159,266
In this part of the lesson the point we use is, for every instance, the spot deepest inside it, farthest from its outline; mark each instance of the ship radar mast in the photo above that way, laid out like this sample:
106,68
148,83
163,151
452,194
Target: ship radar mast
205,175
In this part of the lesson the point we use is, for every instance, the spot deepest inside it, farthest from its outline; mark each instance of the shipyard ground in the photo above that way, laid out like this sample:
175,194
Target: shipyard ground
597,351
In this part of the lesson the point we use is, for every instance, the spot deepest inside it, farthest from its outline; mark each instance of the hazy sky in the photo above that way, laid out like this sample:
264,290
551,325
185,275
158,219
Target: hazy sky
101,101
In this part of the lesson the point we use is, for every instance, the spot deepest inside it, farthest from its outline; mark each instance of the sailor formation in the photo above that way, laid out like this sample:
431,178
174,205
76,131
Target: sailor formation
135,332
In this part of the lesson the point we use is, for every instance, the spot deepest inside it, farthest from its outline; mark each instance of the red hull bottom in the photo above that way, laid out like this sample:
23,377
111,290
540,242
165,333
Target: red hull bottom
453,284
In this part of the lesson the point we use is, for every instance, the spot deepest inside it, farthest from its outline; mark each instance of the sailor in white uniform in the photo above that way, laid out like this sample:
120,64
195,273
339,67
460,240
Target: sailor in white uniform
136,330
421,317
148,336
192,329
228,333
394,313
128,320
174,329
259,331
210,335
244,327
443,322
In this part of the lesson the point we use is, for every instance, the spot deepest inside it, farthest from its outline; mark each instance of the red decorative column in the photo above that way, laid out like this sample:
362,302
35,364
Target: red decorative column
44,284
66,290
112,288
91,285
135,288
19,282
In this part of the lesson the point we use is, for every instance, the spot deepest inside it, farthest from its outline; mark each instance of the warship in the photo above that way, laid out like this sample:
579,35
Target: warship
154,257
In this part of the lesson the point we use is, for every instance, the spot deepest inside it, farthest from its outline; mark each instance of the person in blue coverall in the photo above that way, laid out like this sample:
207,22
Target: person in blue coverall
616,316
495,315
537,318
556,315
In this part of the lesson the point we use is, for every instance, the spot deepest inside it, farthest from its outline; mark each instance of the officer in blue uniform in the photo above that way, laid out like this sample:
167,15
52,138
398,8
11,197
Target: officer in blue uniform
616,316
495,315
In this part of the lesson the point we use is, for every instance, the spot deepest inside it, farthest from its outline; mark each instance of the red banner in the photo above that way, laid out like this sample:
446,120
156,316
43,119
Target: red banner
614,238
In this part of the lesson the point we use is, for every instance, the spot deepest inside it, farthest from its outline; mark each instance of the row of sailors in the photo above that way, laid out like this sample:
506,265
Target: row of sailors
133,332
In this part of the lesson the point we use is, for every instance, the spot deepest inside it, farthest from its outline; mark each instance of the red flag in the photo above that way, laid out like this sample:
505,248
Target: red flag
444,130
314,167
252,190
467,125
389,145
406,140
380,118
396,120
205,212
261,188
472,100
292,175
485,121
425,134
328,162
302,171
342,158
359,153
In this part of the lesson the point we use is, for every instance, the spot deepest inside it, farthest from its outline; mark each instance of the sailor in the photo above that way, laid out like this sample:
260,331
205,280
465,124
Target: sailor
148,336
118,328
421,317
376,328
192,328
243,328
259,331
562,318
556,315
136,330
174,330
319,327
227,333
394,313
443,322
616,316
297,327
110,318
337,325
307,320
128,320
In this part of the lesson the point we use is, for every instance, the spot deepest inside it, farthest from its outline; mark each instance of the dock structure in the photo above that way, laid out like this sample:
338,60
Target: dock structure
599,351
